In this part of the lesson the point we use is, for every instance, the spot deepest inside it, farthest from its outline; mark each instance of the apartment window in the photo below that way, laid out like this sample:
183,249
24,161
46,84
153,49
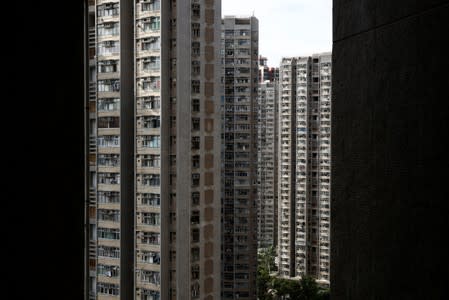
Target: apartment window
151,141
151,161
243,51
195,105
110,215
196,67
195,217
109,85
108,160
108,122
152,83
195,270
152,102
195,179
107,66
108,197
172,122
151,122
107,288
195,235
109,271
195,254
150,295
151,238
195,142
195,30
151,219
195,161
196,86
151,199
150,277
195,124
244,42
108,47
111,252
195,198
173,25
109,28
108,104
150,5
151,24
195,10
172,237
108,233
172,218
108,10
196,48
151,257
109,178
151,63
150,44
151,179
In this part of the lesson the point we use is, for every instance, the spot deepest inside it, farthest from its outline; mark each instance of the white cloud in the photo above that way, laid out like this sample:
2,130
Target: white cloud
287,27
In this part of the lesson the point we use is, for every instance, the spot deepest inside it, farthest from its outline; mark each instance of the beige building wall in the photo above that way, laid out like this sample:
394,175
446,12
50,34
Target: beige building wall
267,165
176,201
305,172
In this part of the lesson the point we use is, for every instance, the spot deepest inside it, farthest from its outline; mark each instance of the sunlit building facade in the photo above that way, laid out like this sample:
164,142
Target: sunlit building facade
305,166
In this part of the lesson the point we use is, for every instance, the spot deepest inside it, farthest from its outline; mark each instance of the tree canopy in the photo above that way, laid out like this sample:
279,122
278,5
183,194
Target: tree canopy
271,287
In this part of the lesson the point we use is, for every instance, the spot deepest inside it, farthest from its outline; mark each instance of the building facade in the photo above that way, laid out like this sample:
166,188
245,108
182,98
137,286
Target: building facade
267,164
305,161
239,157
153,148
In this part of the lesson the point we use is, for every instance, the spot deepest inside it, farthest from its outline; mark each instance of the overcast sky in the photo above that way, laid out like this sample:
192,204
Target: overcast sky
287,27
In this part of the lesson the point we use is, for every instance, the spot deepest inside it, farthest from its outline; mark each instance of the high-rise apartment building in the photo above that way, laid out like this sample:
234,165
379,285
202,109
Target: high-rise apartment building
267,73
153,147
305,166
239,157
267,163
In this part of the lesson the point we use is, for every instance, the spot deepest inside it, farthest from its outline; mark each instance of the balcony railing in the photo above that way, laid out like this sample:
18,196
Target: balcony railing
92,144
92,90
92,249
91,37
92,196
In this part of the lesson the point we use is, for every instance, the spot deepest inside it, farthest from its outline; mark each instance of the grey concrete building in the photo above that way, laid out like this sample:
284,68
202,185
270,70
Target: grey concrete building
267,163
390,123
239,157
153,143
304,171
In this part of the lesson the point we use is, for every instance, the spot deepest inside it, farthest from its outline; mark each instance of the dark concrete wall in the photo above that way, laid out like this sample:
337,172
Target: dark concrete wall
127,151
390,122
42,198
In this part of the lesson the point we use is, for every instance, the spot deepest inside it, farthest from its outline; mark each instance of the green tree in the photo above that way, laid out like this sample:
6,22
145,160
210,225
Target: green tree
265,265
304,289
308,288
263,284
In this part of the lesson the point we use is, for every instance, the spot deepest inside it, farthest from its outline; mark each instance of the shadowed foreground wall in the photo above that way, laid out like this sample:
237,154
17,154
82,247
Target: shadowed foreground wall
390,124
